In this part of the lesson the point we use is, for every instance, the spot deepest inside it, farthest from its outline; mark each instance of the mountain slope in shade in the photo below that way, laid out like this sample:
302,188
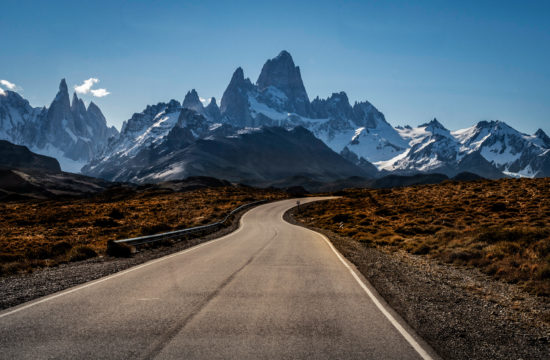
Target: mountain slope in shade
279,98
358,132
20,157
255,157
67,131
24,174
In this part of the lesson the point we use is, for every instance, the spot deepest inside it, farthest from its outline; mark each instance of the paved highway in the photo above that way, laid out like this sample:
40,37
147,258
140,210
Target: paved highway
270,290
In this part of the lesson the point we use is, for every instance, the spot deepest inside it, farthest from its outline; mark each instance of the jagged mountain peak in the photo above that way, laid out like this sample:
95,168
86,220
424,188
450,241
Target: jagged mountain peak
63,86
339,96
93,105
279,69
238,76
65,130
281,73
192,101
63,94
497,125
284,56
540,133
545,139
434,124
212,102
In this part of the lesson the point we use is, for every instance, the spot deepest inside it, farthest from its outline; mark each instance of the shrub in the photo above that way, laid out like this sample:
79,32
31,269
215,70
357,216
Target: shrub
105,222
116,214
155,229
497,206
13,268
544,273
118,249
38,253
81,252
421,249
340,218
60,248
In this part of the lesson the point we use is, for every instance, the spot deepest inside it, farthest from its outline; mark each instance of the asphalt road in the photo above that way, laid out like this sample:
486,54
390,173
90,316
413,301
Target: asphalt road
270,290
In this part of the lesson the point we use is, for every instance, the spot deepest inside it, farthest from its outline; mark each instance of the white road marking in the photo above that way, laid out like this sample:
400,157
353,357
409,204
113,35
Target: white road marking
410,339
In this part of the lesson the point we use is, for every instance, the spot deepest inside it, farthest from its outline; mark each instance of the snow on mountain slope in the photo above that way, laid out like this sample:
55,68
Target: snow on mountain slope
431,149
279,98
71,133
358,132
509,150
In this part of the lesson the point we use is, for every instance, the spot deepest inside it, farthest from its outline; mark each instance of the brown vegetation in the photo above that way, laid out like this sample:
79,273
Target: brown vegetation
501,227
37,233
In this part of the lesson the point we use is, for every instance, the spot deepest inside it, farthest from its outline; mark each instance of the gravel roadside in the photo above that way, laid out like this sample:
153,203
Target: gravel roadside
19,288
460,312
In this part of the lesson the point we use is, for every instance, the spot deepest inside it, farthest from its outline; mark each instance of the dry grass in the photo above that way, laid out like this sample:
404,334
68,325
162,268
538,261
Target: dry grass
37,233
501,227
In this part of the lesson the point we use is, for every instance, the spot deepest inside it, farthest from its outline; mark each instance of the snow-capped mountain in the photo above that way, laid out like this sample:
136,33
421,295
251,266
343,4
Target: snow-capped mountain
490,149
358,132
512,152
259,157
279,98
70,132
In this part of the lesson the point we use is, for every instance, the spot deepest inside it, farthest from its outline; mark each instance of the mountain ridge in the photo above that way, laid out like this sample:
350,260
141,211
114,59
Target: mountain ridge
359,133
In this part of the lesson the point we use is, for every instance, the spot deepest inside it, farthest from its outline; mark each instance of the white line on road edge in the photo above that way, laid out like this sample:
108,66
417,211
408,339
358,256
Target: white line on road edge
95,282
423,353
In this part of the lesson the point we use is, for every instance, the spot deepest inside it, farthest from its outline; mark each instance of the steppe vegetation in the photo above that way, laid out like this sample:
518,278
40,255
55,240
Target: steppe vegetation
500,227
38,233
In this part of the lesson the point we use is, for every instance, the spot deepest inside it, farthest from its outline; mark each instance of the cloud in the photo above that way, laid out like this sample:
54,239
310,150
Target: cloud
100,92
204,101
8,85
2,92
86,86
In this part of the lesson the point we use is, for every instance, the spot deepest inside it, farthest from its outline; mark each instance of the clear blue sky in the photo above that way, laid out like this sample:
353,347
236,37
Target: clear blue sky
459,61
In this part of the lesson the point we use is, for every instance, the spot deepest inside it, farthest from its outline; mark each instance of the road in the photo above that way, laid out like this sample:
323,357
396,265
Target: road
269,290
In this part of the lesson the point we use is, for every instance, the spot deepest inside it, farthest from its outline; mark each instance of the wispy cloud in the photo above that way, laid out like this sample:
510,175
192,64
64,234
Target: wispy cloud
86,88
100,92
204,101
8,85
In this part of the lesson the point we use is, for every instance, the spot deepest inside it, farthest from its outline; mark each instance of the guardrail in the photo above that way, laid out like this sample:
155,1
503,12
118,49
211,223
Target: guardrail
179,234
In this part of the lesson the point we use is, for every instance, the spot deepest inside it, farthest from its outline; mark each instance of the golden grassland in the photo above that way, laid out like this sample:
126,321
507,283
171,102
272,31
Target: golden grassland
501,227
36,233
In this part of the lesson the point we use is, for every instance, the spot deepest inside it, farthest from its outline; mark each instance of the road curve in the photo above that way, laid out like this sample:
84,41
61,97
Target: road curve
269,290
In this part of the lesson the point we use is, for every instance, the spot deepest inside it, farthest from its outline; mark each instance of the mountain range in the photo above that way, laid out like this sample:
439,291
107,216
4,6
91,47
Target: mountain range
264,132
68,131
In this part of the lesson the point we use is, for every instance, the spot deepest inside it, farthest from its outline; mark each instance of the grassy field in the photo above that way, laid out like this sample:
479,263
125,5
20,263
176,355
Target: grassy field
37,233
501,227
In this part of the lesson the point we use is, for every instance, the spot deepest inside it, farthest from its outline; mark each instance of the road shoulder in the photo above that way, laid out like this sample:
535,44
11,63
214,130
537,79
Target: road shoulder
460,313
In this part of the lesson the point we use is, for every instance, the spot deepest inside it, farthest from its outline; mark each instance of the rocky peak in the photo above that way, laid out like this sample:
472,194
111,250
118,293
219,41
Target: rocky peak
212,110
434,124
337,106
281,73
234,104
77,106
192,101
540,134
238,80
212,102
62,96
367,115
